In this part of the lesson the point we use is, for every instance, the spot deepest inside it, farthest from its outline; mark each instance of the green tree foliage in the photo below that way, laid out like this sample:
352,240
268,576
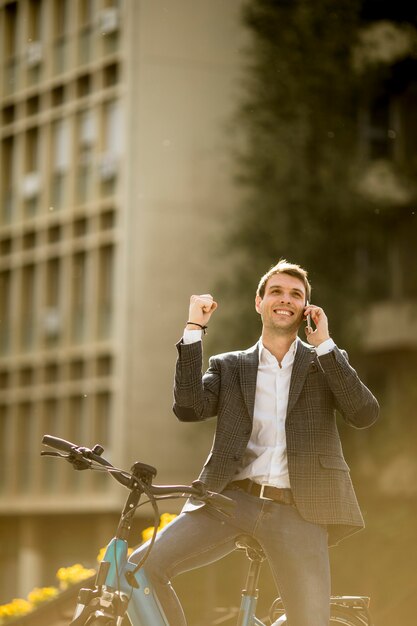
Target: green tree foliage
299,165
297,157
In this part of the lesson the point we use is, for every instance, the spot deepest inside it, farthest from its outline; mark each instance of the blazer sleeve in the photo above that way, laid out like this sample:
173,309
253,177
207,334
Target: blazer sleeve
195,396
354,401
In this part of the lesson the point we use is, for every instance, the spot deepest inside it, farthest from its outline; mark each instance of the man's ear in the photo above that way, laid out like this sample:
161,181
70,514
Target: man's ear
258,301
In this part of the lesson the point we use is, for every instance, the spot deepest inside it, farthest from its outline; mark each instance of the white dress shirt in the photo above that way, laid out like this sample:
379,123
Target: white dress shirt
265,458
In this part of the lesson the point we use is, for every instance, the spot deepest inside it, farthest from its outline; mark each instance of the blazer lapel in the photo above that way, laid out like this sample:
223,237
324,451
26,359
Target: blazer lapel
303,357
248,371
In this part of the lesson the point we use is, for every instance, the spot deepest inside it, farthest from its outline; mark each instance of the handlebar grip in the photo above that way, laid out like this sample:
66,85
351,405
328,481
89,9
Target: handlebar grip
58,444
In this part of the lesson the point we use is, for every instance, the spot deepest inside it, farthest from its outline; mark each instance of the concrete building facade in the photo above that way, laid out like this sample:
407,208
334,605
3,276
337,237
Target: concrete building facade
114,184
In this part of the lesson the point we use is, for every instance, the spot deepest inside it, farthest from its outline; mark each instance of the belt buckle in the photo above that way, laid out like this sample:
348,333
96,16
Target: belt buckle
261,494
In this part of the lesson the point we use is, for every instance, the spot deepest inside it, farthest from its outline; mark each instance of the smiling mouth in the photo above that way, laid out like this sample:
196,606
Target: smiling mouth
283,312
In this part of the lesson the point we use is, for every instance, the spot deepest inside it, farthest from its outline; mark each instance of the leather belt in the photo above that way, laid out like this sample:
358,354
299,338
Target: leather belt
266,492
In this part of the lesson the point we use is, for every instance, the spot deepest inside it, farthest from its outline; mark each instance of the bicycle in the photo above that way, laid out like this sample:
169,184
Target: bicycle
121,587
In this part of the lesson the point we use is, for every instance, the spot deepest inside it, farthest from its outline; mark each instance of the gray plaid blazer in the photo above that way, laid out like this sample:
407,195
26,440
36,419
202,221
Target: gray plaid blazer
319,475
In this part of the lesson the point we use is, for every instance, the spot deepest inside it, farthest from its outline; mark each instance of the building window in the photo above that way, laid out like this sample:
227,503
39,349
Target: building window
104,365
77,422
58,95
109,27
26,376
111,75
51,372
5,311
7,174
10,31
61,158
79,297
32,105
4,446
34,50
25,438
51,424
86,135
78,425
28,307
84,85
31,180
85,36
105,291
52,317
8,114
102,432
112,147
60,44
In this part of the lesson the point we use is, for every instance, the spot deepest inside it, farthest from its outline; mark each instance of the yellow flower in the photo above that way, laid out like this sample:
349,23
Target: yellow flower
16,607
165,519
68,576
39,595
100,555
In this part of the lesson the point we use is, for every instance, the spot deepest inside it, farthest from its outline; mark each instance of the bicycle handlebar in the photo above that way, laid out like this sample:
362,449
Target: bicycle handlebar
82,458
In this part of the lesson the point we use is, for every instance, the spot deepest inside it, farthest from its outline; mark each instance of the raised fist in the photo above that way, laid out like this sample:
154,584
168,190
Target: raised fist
201,309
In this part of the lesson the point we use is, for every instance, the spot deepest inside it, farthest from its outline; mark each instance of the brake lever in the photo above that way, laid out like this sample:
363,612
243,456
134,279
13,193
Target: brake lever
46,453
76,458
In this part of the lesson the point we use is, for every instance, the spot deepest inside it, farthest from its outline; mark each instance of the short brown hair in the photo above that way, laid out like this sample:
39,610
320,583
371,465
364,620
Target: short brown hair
284,267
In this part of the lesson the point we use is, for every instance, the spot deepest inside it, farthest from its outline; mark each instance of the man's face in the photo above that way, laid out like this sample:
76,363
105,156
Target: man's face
282,307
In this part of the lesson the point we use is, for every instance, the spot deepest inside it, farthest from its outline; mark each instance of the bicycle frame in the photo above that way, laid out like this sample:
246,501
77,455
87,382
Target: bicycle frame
143,607
122,587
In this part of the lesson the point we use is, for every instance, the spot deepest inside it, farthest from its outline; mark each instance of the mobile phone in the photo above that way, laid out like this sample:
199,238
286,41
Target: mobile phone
308,317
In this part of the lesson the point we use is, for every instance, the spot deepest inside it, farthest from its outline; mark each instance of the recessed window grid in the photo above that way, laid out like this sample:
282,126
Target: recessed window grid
31,183
8,180
79,297
25,448
60,163
52,314
43,40
60,41
57,247
5,311
10,47
105,291
28,308
5,440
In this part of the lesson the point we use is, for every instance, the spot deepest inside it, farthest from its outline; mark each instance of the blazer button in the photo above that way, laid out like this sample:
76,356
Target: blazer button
247,431
236,457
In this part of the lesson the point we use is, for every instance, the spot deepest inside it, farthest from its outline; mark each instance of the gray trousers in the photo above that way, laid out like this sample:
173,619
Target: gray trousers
296,550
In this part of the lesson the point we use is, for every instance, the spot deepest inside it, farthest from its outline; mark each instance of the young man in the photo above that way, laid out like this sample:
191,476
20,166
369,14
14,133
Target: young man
276,450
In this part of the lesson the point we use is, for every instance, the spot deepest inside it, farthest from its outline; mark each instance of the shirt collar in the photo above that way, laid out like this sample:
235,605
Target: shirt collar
267,358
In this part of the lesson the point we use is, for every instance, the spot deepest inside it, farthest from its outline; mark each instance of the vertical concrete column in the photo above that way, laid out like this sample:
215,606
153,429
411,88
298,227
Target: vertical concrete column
29,556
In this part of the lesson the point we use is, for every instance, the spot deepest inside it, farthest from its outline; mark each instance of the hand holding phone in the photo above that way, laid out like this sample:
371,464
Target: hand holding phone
320,332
